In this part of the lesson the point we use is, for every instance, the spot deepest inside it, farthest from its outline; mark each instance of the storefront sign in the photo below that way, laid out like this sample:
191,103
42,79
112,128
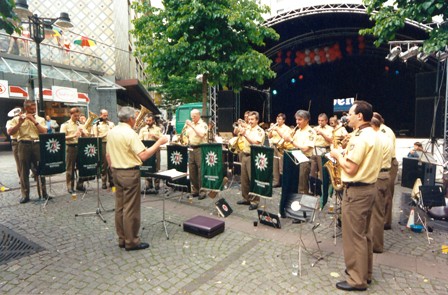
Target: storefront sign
65,94
4,88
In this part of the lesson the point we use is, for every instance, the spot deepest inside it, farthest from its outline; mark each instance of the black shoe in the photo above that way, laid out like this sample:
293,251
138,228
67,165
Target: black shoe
297,221
387,227
194,195
47,197
70,191
377,252
202,196
368,281
243,202
140,246
121,246
343,285
24,200
253,206
104,186
80,188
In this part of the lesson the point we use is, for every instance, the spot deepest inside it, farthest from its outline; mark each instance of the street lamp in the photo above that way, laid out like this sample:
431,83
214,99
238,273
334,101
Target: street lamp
37,27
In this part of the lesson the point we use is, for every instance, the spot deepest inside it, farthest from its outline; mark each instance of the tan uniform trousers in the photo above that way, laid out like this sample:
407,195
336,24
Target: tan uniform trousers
379,212
106,174
29,155
357,204
194,166
15,152
389,200
72,153
245,179
304,173
277,168
127,206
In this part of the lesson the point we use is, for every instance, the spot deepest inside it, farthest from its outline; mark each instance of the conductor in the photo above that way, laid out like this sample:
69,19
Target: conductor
125,154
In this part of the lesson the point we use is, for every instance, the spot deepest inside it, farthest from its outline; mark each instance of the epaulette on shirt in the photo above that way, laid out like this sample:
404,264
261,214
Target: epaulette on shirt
358,132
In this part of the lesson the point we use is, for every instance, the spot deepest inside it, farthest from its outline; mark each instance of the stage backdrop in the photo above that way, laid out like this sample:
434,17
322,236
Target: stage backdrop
261,165
149,166
52,153
89,156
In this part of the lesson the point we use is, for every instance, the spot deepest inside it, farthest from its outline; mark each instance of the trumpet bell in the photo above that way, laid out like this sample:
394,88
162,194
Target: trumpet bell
14,112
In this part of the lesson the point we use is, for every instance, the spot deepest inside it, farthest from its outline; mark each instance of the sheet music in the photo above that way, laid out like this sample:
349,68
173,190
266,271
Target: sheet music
171,174
299,156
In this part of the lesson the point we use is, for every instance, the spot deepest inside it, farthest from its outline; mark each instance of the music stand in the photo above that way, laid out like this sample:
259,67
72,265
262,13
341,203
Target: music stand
52,159
177,158
169,176
89,164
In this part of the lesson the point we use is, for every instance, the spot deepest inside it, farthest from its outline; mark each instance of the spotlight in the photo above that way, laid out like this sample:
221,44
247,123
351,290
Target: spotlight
394,52
411,52
274,92
293,80
442,55
423,57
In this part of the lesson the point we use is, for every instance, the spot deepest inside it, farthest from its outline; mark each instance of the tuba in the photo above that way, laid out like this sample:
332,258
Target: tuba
139,120
89,122
333,167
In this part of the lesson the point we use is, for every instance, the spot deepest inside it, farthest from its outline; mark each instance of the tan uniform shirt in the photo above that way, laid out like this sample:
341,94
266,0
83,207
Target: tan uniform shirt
386,144
123,147
385,129
150,133
320,140
9,125
284,129
193,138
70,128
101,129
305,138
256,133
28,131
364,149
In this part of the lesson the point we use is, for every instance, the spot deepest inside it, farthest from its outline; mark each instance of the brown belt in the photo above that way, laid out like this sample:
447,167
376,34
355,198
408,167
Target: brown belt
353,184
29,141
385,170
130,168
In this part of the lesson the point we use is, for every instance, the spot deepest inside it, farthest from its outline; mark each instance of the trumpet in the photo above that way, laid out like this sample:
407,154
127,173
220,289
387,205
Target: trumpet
282,145
236,144
272,127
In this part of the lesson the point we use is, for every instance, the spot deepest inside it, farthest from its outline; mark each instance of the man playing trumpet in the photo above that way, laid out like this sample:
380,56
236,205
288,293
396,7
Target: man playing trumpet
151,132
28,126
275,135
73,131
101,129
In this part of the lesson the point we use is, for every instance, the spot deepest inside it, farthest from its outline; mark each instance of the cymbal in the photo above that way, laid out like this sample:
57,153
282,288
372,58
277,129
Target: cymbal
14,112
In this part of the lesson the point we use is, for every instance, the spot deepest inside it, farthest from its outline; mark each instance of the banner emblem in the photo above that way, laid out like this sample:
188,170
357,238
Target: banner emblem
211,158
90,150
261,161
176,158
52,145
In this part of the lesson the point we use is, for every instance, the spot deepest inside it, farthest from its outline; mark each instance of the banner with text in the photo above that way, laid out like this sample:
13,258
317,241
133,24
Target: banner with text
52,153
261,165
89,156
211,166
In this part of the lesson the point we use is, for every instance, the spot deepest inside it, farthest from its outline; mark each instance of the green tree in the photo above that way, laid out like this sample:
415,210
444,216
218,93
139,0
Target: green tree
390,17
8,17
215,38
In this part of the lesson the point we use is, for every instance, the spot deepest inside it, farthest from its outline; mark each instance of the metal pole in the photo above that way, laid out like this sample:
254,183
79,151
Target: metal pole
39,79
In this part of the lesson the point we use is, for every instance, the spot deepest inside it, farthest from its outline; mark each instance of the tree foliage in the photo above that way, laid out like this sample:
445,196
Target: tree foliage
215,38
8,17
390,19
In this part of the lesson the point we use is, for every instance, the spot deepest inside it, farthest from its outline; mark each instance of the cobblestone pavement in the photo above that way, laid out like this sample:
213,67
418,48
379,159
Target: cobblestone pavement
80,255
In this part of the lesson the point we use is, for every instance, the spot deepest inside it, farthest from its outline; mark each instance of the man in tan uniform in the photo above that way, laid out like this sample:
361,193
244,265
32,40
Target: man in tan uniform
72,131
28,127
196,132
392,173
151,132
303,139
14,142
125,154
383,191
275,136
101,129
251,134
360,166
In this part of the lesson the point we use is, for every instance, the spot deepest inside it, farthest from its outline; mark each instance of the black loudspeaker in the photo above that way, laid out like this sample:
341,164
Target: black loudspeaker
226,111
413,169
432,195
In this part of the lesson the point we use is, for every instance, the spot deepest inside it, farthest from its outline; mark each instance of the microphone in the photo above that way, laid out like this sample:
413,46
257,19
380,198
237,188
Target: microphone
344,120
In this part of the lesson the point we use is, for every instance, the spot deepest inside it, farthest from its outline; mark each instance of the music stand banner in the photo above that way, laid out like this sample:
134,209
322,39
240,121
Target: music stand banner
211,166
261,165
89,156
177,157
290,180
149,166
52,153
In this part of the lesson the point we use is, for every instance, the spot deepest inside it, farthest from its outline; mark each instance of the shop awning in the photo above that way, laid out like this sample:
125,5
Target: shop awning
136,94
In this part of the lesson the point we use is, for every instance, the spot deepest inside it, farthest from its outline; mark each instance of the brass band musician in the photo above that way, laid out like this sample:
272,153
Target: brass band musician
101,129
303,139
196,131
250,134
151,132
73,131
275,135
28,126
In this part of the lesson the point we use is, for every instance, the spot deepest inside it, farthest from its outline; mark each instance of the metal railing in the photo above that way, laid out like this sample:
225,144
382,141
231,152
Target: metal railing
50,53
